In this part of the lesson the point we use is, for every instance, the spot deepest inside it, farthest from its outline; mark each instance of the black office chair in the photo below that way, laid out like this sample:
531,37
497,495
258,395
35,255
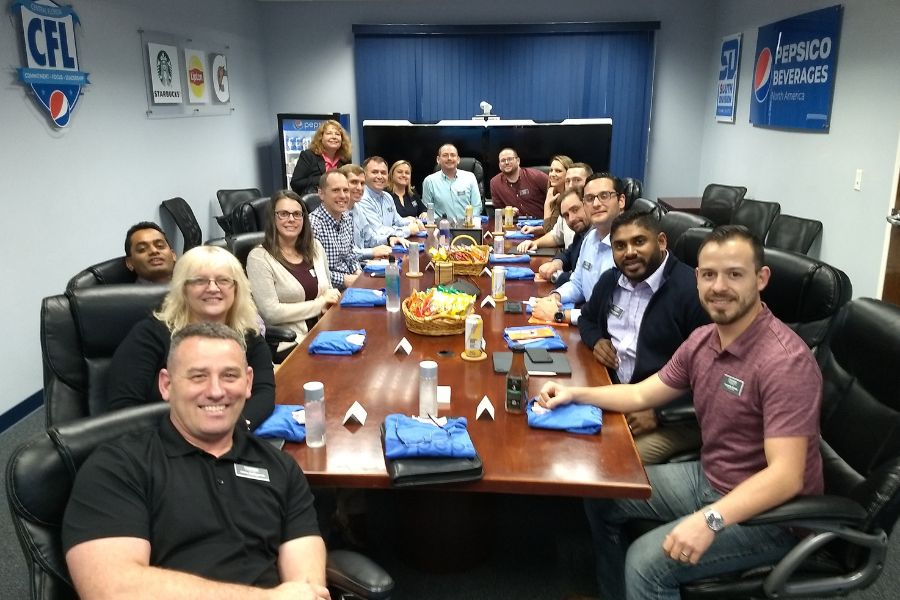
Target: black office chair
39,479
674,223
633,189
719,202
649,206
474,166
240,244
311,201
102,273
844,532
757,216
228,200
185,220
793,233
251,216
687,246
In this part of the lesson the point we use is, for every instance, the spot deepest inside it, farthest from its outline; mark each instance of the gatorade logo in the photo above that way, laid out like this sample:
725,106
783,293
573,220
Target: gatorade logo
762,75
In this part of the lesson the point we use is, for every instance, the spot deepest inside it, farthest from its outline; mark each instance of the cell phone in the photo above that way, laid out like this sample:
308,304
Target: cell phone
513,308
539,355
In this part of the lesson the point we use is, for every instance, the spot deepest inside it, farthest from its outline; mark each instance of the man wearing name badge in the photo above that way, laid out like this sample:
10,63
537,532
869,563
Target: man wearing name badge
561,235
450,190
195,507
377,206
571,208
638,315
522,188
333,227
603,201
757,391
364,241
148,253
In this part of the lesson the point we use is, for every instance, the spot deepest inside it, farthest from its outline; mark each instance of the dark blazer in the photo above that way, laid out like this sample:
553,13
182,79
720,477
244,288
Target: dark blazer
413,206
310,167
569,257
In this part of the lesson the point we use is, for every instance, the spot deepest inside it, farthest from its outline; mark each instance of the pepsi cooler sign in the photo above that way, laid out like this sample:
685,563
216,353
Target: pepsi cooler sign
51,57
793,76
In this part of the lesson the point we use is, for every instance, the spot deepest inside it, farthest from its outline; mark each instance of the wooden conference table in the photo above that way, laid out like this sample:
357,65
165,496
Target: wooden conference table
517,459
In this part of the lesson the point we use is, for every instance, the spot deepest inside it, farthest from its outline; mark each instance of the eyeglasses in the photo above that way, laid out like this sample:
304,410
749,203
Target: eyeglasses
223,283
602,195
284,214
509,159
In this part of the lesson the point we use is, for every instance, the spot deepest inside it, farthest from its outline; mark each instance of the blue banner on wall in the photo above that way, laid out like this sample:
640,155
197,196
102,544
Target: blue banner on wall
795,66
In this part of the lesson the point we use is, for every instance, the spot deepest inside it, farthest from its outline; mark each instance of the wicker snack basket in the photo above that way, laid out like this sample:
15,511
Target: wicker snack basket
433,325
468,267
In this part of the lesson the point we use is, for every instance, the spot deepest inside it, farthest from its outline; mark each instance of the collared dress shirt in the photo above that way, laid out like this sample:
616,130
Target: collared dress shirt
451,196
379,210
596,257
629,302
363,236
337,239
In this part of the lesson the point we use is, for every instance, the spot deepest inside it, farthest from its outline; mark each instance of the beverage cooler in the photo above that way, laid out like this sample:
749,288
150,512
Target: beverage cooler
295,133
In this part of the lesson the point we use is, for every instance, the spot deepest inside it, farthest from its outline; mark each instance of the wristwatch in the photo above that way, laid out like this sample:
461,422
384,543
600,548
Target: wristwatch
714,520
559,316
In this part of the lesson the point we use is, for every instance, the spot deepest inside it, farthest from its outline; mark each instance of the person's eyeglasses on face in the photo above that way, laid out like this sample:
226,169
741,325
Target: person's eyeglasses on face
605,196
223,283
283,215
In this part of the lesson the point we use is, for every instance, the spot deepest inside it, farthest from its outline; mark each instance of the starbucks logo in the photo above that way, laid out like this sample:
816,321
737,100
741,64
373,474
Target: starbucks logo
164,68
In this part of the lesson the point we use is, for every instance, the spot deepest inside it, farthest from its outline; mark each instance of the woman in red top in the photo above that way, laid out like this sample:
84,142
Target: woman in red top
329,149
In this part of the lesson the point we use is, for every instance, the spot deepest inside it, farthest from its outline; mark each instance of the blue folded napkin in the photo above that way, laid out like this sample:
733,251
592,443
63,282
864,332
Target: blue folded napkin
565,306
484,219
363,297
421,234
518,258
548,343
518,235
336,342
403,250
519,273
281,424
405,437
522,221
574,418
378,269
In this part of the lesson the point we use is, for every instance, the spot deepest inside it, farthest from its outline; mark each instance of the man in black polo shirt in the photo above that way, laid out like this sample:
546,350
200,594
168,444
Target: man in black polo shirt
195,508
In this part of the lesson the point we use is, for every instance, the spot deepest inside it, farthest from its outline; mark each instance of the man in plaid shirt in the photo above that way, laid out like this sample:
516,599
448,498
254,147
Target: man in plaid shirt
333,227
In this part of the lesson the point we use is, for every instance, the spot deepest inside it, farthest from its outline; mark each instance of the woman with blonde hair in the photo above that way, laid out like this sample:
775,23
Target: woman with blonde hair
329,149
208,284
406,200
559,164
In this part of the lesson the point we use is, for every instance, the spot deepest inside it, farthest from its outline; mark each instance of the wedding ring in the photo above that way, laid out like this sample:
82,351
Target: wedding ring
684,554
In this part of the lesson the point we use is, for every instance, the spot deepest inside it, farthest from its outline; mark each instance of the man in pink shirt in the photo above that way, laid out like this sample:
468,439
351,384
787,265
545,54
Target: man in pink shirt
757,391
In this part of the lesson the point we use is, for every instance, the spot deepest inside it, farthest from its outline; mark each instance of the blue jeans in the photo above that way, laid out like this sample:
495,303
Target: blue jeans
642,571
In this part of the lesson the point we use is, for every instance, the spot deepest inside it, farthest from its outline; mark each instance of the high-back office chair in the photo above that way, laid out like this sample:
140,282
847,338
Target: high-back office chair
474,166
719,202
80,331
674,223
793,233
844,534
240,244
229,200
311,201
251,215
688,243
104,272
185,220
39,479
633,189
756,215
650,206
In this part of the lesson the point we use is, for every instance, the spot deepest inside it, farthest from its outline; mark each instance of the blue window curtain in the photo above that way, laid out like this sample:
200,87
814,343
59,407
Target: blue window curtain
544,73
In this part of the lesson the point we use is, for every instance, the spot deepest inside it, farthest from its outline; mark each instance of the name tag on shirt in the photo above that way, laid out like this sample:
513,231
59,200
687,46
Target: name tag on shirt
248,472
462,193
615,311
524,192
587,266
732,384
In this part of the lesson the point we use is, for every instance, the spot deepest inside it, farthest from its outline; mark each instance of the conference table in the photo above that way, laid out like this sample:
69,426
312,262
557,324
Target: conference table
517,459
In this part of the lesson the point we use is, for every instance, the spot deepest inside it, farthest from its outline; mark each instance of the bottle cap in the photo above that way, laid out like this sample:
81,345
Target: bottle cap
391,259
517,348
313,390
427,368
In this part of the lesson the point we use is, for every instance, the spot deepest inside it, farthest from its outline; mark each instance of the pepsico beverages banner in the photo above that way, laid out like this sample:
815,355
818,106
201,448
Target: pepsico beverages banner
794,70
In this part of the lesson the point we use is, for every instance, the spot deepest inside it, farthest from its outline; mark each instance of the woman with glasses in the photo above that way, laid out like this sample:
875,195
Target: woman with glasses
208,284
288,273
408,202
329,149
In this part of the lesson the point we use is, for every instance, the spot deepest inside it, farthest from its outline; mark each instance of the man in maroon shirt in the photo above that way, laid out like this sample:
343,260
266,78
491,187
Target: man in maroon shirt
516,186
757,390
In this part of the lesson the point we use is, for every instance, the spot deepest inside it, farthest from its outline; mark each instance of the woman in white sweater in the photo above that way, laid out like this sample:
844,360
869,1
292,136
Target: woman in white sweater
288,273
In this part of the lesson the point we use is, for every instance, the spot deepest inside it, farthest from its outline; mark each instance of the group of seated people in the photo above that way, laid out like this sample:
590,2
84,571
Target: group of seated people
663,331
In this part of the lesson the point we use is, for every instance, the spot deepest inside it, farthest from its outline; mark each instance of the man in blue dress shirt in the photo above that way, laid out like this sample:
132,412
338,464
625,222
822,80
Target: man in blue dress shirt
450,190
377,206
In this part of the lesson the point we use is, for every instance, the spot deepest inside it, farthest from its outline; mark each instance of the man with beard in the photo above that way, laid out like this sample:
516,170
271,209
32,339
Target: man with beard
571,208
522,188
757,391
148,253
637,316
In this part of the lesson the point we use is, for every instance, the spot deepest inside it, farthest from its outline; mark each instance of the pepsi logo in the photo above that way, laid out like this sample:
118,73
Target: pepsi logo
762,75
59,107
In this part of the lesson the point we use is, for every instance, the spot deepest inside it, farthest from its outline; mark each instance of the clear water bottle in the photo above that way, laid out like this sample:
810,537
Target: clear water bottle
444,231
392,285
314,404
428,388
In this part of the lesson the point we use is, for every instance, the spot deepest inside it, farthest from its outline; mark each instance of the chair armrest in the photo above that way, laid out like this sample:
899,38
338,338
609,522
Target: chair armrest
276,334
804,510
677,411
356,574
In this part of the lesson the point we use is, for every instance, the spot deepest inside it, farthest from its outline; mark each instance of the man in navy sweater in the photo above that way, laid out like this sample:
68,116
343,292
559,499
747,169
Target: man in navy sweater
638,314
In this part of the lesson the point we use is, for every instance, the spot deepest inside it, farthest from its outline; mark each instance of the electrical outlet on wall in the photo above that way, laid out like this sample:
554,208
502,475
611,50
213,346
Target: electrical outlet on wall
857,182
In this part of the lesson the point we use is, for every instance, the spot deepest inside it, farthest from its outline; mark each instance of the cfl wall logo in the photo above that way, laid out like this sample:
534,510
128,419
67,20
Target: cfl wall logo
51,57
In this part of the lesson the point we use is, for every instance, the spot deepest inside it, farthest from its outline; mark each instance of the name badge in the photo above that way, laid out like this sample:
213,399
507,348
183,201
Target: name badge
248,472
524,192
615,311
587,266
462,193
732,384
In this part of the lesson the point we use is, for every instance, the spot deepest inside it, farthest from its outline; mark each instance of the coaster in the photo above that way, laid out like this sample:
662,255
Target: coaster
414,274
482,356
500,299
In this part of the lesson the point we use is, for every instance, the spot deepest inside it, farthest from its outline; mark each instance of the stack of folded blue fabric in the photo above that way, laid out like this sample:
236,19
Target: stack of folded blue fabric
554,342
518,235
399,248
574,418
565,306
523,221
513,273
378,268
342,342
511,258
363,298
282,425
406,437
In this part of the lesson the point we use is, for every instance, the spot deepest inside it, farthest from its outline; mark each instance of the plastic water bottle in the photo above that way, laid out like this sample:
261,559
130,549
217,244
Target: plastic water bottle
392,285
428,388
314,405
444,231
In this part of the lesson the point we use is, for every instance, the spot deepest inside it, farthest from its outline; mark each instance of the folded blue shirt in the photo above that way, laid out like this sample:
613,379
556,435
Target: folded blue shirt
518,258
574,418
522,221
405,437
281,424
336,342
518,235
363,298
422,233
378,269
548,343
403,250
519,273
565,306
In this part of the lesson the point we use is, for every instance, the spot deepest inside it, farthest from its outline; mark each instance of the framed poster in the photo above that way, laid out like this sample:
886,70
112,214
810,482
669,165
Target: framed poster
726,87
165,73
197,76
